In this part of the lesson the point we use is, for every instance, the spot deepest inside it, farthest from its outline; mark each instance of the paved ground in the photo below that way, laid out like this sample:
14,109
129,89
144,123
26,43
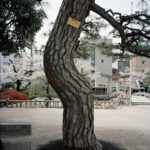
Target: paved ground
127,125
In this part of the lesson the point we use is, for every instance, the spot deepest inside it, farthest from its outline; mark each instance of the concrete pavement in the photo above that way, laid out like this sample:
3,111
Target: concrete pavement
127,125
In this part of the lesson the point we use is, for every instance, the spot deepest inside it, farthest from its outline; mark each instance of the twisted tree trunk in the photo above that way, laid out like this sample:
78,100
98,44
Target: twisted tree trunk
74,92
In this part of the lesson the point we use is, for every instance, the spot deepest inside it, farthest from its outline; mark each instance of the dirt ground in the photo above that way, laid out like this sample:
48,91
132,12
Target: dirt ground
127,125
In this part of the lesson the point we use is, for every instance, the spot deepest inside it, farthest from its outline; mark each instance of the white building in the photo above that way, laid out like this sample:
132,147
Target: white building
98,68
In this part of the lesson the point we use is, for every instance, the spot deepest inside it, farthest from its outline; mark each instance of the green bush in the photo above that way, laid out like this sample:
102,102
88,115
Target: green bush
40,88
32,97
8,85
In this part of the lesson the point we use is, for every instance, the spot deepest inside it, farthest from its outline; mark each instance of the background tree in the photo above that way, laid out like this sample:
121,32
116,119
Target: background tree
143,78
144,5
133,30
40,88
146,82
90,32
21,73
19,21
73,90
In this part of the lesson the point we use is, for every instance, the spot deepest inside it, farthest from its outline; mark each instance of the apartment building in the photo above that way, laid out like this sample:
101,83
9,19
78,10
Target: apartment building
98,68
140,64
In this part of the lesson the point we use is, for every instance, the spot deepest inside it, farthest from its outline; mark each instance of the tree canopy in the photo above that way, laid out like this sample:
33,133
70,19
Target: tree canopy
133,29
19,21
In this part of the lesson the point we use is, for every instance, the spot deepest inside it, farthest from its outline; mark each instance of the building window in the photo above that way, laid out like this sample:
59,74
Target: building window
93,82
92,71
143,61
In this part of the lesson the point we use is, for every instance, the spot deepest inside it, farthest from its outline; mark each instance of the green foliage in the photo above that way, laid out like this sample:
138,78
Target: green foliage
19,21
40,88
142,47
8,85
106,48
84,50
92,27
90,30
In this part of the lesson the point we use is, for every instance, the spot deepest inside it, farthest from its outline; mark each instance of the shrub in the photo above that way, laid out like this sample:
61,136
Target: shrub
40,88
8,85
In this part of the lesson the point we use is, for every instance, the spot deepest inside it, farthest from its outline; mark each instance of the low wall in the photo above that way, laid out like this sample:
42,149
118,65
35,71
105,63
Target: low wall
142,94
113,103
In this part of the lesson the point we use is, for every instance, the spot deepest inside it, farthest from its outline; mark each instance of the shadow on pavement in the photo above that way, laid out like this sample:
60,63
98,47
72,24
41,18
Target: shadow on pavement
57,145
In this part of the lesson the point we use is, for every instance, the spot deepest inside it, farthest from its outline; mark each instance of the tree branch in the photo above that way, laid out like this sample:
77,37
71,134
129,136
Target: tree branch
130,34
104,14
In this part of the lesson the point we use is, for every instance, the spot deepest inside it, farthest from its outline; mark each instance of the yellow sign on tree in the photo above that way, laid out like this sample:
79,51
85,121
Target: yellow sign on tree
73,22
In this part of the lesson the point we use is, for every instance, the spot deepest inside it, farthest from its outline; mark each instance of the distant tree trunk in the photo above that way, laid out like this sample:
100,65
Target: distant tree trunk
47,91
73,90
18,82
27,85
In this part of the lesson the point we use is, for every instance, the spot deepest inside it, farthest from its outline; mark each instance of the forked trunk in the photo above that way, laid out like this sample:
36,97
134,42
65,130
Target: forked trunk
74,92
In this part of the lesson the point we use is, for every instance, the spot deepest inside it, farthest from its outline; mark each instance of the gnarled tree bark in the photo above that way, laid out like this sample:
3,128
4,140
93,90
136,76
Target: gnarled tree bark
73,90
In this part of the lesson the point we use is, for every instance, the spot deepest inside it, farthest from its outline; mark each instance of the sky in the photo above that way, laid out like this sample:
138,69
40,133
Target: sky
52,8
123,6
